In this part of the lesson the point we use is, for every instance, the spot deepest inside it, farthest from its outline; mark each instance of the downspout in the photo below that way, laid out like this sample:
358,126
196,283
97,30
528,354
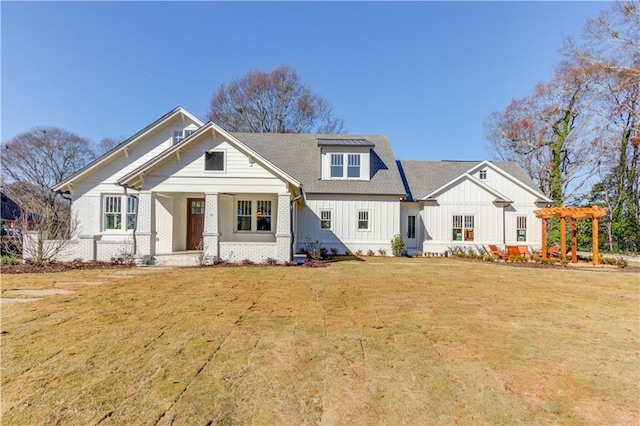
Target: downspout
504,226
291,224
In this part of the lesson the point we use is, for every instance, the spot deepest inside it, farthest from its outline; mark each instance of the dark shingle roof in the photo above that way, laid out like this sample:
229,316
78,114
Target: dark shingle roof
424,177
300,156
10,210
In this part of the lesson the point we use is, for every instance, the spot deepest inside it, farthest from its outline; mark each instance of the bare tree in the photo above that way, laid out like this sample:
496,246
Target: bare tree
272,102
107,144
32,163
547,134
43,157
44,232
609,49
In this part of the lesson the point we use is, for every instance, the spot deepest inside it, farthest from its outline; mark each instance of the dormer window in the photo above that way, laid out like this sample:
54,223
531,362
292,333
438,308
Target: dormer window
483,175
337,166
177,136
353,166
353,169
180,135
345,159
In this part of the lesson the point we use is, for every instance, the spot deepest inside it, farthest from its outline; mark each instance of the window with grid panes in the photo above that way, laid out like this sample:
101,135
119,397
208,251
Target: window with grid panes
521,228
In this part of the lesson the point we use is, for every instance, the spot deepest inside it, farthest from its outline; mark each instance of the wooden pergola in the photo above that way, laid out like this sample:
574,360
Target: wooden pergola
574,213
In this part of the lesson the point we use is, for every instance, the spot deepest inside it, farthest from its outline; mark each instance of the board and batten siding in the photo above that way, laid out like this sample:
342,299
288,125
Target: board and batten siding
384,222
492,224
187,172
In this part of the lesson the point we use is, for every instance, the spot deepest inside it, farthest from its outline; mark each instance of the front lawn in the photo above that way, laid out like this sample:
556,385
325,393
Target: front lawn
386,341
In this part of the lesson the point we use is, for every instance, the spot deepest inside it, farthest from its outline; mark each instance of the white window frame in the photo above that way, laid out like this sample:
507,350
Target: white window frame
126,206
178,136
352,159
360,219
329,219
463,222
521,225
411,227
224,161
347,160
482,174
332,157
254,206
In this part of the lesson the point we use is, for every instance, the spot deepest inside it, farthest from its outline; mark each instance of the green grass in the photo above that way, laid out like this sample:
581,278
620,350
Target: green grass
386,341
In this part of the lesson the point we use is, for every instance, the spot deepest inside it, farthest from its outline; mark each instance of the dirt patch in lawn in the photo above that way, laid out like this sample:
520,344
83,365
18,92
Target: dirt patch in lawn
439,341
26,268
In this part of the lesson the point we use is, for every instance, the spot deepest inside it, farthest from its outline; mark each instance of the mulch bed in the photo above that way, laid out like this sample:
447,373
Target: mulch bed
58,267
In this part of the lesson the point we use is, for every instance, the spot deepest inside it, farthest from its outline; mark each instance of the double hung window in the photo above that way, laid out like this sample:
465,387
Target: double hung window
463,227
115,216
521,228
325,219
363,220
249,219
351,162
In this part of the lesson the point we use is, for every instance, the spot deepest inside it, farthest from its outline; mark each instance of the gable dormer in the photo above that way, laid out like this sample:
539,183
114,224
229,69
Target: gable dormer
345,159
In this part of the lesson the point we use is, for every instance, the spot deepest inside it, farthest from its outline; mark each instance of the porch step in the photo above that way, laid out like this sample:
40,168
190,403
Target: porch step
190,258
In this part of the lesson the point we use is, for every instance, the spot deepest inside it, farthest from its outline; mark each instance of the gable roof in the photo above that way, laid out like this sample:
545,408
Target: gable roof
299,155
107,156
134,176
424,178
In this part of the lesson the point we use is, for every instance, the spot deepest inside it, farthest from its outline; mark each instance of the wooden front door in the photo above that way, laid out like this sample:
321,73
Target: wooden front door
195,223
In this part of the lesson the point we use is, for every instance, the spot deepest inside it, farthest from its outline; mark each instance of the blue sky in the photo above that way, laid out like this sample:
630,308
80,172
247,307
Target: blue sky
426,74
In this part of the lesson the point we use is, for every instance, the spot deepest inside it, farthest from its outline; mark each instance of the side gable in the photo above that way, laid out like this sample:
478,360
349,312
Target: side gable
132,150
499,198
427,179
515,175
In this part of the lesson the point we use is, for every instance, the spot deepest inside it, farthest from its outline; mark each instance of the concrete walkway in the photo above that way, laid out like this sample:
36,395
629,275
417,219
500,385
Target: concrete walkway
67,288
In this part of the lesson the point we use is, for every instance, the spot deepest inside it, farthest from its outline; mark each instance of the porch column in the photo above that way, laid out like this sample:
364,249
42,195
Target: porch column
145,226
283,229
211,236
594,244
544,237
574,240
563,238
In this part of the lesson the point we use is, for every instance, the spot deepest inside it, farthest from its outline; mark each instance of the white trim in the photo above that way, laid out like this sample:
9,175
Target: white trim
487,163
498,195
132,176
224,161
331,219
126,145
368,228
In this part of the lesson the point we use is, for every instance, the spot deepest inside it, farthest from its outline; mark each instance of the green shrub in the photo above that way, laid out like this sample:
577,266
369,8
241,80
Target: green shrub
397,245
8,260
334,251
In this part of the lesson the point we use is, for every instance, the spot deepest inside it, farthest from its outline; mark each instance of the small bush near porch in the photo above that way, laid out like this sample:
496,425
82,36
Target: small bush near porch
385,341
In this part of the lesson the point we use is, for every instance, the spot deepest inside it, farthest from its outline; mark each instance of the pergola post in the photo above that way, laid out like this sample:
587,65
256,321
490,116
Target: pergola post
544,237
563,238
594,244
574,240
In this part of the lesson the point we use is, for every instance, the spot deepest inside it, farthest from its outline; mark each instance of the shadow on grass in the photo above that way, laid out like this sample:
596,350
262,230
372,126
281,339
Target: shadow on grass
343,258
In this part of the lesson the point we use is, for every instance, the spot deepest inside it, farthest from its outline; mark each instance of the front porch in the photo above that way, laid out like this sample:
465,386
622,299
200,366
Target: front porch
182,227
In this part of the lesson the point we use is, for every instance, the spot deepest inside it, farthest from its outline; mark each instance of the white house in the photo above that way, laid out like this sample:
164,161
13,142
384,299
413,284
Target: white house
180,187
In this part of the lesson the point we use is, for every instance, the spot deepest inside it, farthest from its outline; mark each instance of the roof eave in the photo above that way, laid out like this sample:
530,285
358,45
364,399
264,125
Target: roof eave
59,187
